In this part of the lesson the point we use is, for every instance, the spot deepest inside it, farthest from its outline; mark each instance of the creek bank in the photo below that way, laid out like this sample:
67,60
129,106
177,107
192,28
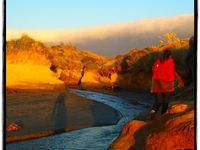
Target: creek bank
173,130
98,138
43,113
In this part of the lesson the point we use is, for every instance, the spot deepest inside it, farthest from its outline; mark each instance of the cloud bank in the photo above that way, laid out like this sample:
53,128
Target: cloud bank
115,39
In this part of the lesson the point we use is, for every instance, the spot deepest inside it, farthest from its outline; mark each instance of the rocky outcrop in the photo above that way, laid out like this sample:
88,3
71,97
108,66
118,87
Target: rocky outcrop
171,131
126,140
13,127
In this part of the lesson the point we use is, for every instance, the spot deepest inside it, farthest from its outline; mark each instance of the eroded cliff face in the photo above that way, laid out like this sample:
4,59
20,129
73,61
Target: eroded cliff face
171,131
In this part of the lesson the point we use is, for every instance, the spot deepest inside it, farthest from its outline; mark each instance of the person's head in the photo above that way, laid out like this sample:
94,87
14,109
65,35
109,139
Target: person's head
166,55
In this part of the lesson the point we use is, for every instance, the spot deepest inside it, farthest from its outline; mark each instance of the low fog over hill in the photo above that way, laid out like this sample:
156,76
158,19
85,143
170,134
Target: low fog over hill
115,39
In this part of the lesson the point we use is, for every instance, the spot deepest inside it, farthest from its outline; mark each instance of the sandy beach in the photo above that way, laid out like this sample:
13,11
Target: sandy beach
98,136
43,113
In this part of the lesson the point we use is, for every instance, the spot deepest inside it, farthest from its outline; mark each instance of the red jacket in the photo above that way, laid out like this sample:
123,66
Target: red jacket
164,71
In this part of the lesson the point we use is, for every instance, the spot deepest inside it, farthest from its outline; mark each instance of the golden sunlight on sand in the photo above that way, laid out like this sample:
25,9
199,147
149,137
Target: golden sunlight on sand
30,76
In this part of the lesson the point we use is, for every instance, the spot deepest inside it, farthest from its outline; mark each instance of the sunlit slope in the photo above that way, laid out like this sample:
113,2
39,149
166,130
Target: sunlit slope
30,76
130,71
27,66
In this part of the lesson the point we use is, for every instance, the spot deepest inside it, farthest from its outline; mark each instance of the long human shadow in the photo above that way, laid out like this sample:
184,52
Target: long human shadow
59,114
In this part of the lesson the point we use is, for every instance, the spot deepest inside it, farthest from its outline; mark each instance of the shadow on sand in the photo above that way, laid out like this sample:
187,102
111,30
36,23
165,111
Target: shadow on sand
59,114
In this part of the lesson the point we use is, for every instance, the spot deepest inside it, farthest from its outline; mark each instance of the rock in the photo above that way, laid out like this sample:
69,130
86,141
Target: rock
13,127
173,130
126,139
177,108
177,133
53,68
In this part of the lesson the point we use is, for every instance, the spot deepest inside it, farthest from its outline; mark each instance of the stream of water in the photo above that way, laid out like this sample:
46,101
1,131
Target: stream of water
92,138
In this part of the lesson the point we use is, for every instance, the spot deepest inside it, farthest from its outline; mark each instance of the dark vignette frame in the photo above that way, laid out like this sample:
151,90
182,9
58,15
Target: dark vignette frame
195,69
4,71
4,76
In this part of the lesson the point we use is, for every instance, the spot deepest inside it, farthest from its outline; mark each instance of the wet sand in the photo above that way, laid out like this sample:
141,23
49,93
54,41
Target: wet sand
42,113
97,138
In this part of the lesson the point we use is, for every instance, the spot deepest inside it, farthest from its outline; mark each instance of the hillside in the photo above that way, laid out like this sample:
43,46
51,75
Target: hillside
133,69
27,66
65,63
130,71
30,64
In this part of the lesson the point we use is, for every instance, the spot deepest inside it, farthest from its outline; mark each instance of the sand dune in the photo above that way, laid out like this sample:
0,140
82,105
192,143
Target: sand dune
30,76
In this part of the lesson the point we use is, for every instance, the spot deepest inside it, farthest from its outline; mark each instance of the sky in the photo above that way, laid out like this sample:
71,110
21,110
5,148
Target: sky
106,27
68,14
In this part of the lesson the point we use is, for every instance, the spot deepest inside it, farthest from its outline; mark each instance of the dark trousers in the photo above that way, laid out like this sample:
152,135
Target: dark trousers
161,99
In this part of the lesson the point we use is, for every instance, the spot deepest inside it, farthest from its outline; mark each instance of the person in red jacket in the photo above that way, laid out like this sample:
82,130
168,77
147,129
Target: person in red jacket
164,76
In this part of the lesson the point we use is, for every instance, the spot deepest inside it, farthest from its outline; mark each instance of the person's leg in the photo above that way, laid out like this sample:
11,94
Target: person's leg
165,102
157,103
